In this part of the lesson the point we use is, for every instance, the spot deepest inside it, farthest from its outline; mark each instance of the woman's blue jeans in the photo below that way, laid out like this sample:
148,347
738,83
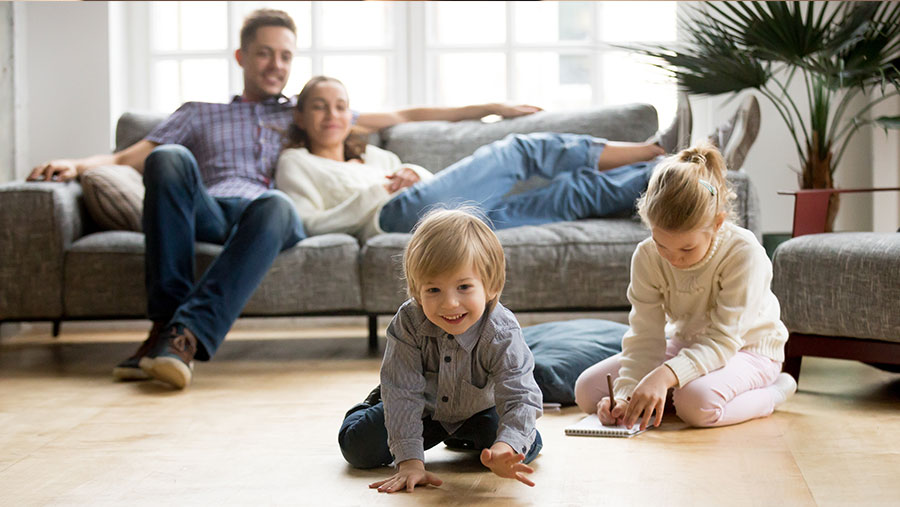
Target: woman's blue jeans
577,189
179,211
363,437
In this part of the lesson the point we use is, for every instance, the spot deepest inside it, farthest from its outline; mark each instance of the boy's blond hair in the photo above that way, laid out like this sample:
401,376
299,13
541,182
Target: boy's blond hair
687,191
447,240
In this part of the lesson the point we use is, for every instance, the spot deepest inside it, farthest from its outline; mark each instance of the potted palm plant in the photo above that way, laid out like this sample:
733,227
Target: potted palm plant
838,50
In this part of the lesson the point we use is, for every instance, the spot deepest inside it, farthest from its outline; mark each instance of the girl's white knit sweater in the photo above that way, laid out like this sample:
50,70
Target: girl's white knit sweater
716,307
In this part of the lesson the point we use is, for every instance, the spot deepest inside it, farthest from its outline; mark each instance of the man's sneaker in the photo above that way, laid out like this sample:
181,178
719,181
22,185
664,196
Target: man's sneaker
172,359
786,386
374,397
130,368
678,135
735,137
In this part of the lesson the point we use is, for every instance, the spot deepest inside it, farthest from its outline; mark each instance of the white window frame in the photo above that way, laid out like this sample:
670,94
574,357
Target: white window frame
137,70
595,48
411,61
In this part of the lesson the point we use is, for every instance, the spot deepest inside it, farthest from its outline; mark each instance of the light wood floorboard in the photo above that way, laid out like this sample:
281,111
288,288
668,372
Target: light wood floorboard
259,426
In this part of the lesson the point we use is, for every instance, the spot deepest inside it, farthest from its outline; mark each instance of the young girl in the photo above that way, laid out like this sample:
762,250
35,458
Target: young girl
703,282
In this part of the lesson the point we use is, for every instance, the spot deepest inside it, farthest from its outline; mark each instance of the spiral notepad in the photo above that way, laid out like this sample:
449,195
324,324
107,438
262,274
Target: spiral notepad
591,426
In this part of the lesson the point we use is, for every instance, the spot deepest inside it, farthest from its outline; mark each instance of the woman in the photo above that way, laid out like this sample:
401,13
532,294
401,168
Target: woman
340,184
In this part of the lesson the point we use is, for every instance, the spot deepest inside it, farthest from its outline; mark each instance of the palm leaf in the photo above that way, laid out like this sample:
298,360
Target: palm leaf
888,122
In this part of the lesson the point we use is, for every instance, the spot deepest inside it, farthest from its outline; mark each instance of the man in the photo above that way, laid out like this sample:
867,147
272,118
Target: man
208,172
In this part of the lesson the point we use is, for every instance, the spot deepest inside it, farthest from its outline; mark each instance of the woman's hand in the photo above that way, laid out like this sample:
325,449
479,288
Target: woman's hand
614,418
650,396
506,463
512,111
410,473
54,170
404,177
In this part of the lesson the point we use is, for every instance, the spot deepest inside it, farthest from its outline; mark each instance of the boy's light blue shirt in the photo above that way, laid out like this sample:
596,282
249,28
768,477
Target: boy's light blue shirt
451,378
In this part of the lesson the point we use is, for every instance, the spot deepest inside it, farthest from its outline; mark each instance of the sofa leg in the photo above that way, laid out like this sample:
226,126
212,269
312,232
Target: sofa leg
56,325
792,366
373,333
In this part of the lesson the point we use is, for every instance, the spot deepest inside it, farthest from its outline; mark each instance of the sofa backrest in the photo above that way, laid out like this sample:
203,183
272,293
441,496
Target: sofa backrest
435,145
132,127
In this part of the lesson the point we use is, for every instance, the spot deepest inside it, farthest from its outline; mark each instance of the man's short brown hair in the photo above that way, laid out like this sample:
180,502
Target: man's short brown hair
264,17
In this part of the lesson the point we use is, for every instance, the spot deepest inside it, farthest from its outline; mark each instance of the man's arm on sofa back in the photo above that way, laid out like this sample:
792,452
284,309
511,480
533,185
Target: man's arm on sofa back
38,222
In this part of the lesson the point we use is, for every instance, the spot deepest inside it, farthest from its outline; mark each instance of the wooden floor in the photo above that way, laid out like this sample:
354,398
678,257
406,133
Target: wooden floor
259,426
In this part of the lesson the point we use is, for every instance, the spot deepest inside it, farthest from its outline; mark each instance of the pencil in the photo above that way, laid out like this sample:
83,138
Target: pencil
612,399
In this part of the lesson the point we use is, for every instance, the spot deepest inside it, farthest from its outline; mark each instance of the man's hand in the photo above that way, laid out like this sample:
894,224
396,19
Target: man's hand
405,177
54,170
650,396
410,473
512,111
505,462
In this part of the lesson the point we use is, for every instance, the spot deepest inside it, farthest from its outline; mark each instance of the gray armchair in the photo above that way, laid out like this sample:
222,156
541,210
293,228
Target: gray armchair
839,292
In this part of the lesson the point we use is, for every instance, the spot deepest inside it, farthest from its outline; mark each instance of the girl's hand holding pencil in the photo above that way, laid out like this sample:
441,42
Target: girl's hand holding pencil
609,411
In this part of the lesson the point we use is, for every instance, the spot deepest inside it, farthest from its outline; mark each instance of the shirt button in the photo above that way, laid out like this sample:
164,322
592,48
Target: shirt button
446,359
449,336
445,399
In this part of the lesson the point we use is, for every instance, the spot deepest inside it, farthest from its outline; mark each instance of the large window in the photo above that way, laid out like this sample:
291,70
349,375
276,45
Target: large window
191,49
559,55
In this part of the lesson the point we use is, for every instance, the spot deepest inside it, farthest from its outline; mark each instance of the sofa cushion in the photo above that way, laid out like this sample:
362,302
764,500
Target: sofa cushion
565,265
436,145
840,284
104,276
562,350
114,197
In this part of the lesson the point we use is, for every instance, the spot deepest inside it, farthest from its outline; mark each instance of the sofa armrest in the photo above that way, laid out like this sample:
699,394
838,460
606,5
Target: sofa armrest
38,222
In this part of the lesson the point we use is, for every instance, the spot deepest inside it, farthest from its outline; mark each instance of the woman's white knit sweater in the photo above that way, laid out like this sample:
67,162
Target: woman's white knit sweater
716,307
333,196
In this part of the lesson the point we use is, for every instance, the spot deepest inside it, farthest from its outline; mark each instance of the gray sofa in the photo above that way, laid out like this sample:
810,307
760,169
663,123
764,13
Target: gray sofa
56,265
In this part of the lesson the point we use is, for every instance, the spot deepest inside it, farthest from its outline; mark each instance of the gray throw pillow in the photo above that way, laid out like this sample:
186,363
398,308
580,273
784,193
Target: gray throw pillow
114,197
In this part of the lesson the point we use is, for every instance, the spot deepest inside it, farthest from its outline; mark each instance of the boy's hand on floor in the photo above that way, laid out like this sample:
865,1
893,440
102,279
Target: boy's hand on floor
506,463
410,473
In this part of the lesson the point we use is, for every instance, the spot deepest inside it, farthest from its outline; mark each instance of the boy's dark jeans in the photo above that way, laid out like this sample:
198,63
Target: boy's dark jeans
363,435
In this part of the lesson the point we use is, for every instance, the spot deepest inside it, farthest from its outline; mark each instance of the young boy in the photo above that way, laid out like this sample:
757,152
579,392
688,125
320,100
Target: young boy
456,367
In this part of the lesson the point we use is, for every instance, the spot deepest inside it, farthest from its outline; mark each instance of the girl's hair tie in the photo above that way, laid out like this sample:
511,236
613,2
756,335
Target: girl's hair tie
712,189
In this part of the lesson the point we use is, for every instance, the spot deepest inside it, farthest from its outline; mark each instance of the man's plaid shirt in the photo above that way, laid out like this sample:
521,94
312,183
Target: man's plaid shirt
236,145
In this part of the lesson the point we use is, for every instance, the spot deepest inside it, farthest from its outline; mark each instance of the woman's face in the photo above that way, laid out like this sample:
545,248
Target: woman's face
326,116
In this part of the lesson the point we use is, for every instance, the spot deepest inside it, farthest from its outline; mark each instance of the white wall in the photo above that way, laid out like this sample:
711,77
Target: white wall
7,95
886,164
65,55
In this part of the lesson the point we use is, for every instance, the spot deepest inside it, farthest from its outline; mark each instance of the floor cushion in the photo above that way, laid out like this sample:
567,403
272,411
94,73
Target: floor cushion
564,349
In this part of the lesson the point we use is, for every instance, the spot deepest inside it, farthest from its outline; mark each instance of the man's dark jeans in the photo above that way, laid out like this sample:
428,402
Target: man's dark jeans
179,211
363,436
